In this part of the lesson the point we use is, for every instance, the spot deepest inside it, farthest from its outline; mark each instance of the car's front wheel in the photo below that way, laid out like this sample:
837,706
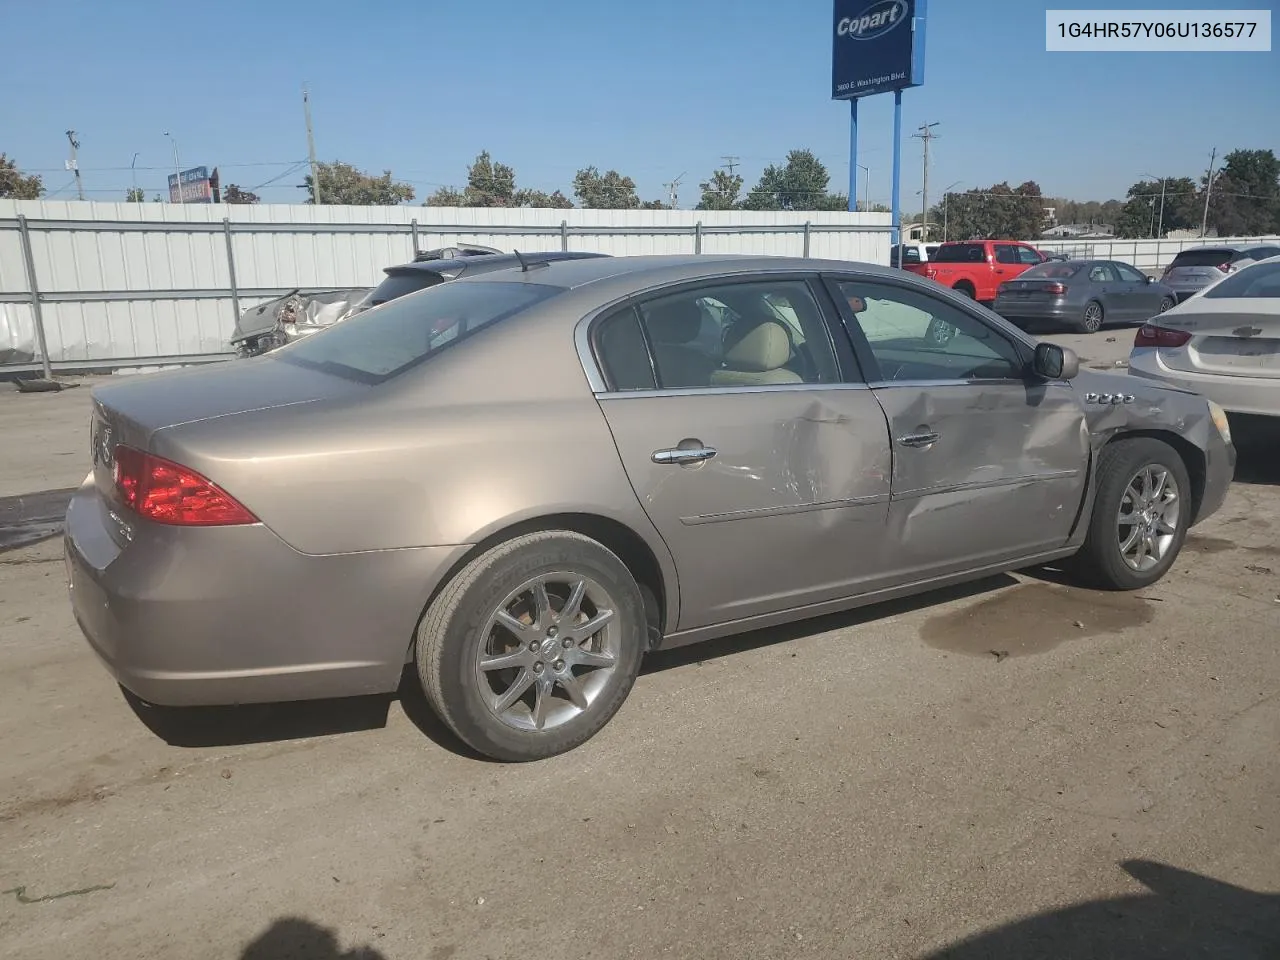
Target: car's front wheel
1140,515
533,646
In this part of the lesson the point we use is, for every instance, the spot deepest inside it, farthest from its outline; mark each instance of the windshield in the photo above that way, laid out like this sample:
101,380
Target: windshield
1252,283
960,253
387,340
396,285
1052,270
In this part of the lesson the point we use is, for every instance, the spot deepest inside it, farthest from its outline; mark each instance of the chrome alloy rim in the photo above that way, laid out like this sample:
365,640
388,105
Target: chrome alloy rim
548,651
1148,519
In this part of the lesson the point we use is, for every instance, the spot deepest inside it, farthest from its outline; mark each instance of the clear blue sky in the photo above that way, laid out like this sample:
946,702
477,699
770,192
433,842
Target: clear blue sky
654,89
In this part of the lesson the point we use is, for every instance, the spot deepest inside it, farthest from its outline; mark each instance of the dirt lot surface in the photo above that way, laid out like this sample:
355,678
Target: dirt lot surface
1020,769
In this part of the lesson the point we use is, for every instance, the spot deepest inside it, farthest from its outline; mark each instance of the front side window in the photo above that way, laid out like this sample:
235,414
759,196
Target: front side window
915,336
1029,255
381,343
732,335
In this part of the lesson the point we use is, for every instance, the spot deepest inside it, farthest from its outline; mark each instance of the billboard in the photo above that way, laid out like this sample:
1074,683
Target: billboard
195,186
877,47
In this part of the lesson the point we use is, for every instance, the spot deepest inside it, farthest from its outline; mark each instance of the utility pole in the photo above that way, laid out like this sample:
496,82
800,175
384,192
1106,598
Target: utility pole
730,162
1208,190
311,147
673,188
74,164
925,135
177,167
866,187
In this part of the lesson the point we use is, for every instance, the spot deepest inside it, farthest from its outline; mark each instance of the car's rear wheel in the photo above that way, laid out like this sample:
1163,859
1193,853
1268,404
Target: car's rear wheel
1140,515
966,289
533,646
939,333
1166,303
1091,320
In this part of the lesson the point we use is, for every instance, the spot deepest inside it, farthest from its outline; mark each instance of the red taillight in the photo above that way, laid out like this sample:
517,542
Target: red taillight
1149,335
1224,267
931,272
1058,289
167,492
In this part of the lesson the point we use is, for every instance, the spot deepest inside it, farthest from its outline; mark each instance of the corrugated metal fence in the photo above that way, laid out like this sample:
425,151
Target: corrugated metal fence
106,285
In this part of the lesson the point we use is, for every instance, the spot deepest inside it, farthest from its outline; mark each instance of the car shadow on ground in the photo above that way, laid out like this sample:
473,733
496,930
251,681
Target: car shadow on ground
1257,441
196,727
294,937
1182,915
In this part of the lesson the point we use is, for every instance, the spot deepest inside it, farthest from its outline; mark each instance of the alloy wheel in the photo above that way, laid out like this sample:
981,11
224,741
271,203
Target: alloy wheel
1147,524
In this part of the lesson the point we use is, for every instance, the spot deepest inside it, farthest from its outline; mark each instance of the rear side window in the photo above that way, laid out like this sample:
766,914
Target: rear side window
961,253
622,351
1006,253
396,285
386,341
1202,258
1252,283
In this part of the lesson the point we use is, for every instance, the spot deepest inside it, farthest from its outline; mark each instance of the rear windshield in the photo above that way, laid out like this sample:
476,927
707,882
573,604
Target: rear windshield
908,254
1251,283
1053,269
961,253
1201,258
386,341
396,285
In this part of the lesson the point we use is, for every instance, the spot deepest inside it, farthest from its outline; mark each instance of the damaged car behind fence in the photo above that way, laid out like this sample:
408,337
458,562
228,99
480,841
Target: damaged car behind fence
270,325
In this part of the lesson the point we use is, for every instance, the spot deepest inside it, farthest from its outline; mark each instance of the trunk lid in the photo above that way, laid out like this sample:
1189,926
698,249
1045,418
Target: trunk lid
1232,337
131,409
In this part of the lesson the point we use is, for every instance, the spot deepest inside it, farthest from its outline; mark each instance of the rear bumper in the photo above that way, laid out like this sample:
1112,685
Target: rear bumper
1254,395
1019,309
226,615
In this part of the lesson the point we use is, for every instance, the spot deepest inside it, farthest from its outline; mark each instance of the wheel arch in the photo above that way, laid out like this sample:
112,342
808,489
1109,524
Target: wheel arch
656,579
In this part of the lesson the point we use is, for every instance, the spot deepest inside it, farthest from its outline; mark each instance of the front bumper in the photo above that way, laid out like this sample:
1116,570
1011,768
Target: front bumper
1220,470
226,615
1259,396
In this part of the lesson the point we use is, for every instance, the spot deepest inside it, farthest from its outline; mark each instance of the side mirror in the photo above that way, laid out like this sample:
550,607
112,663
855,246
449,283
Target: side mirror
1053,362
1150,279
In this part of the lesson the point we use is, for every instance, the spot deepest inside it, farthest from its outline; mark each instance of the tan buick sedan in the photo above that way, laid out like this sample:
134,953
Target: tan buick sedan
523,482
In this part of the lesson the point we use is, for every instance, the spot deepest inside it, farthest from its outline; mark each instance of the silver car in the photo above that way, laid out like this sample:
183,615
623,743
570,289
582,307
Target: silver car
1082,295
1194,270
522,482
1224,344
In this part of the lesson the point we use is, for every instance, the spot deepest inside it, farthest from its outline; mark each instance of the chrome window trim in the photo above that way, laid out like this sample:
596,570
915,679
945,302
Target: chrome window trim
723,389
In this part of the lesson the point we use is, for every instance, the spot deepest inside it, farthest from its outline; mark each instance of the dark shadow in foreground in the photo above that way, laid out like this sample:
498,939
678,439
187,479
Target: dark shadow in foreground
293,938
1257,442
1184,916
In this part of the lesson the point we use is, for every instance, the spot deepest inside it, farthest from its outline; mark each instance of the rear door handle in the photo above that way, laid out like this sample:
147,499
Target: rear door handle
683,455
918,439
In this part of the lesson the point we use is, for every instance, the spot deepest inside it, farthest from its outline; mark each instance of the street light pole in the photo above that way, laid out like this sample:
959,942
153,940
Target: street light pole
866,187
177,167
1163,182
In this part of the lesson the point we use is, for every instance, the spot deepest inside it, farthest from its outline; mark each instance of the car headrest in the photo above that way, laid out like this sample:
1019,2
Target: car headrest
676,322
764,346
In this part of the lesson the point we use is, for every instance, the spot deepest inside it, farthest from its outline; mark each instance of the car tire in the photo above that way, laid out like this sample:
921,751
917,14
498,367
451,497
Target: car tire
1092,318
966,290
1166,303
1102,561
546,654
939,333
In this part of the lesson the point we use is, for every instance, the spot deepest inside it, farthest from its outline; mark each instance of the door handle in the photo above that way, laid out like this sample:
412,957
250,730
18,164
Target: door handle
918,439
684,455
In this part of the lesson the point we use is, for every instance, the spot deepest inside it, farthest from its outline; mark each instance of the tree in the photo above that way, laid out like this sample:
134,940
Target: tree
446,197
14,185
655,205
540,198
234,194
799,184
341,183
720,192
607,191
489,184
135,195
1141,215
1245,200
998,212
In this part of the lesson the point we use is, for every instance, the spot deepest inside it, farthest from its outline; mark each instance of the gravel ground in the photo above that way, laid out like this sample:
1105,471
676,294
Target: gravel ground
1017,769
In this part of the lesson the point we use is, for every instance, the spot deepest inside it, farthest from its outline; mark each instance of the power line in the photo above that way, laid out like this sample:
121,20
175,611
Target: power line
730,162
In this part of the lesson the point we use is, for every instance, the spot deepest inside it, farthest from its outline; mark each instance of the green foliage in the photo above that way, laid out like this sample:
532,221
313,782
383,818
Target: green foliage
491,184
605,191
341,183
14,185
234,194
540,198
720,192
799,184
998,212
135,195
1142,216
1245,200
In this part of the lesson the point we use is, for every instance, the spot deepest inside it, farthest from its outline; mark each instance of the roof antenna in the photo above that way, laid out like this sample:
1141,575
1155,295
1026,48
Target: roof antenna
524,267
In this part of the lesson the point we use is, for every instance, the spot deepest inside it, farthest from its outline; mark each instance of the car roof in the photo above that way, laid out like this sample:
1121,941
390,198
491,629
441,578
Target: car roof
484,263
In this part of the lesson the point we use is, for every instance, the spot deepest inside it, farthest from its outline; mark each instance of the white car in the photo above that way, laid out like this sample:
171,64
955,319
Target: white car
1223,344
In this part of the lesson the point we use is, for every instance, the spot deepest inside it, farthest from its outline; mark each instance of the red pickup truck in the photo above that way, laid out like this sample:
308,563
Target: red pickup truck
976,267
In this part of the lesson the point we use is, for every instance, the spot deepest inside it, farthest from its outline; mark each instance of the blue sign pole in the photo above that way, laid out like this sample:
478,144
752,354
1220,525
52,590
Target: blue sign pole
853,155
897,167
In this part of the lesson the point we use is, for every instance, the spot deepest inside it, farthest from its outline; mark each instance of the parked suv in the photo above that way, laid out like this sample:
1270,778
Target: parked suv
1194,270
